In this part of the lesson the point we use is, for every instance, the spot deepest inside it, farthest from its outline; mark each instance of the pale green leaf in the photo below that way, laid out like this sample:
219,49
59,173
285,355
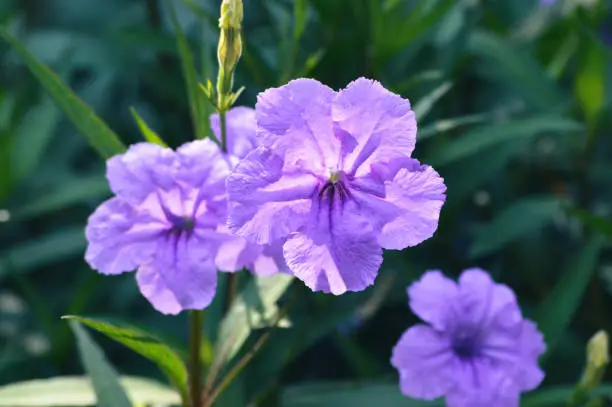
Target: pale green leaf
99,135
104,378
146,345
254,308
425,104
77,391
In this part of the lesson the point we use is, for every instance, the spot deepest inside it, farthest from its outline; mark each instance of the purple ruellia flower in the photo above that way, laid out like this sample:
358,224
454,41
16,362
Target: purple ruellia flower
334,180
167,219
477,350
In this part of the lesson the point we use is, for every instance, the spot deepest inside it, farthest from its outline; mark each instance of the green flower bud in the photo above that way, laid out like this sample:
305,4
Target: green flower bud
230,45
596,362
231,14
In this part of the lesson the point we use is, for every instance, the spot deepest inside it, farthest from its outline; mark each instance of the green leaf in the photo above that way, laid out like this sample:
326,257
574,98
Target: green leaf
77,391
597,223
394,31
147,133
559,307
33,137
484,138
515,221
66,194
354,395
300,12
445,125
44,250
254,308
99,135
559,395
509,65
590,84
190,75
145,345
424,106
104,379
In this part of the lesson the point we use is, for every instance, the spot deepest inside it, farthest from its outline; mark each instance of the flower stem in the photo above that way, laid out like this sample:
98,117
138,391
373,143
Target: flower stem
196,322
223,121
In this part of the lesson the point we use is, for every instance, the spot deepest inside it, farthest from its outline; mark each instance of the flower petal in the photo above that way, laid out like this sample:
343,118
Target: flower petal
344,262
418,191
432,298
296,121
425,363
185,268
266,204
482,384
381,123
202,166
120,238
144,168
241,128
531,346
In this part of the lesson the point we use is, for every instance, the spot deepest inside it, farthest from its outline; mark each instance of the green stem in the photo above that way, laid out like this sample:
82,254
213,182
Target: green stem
223,121
196,322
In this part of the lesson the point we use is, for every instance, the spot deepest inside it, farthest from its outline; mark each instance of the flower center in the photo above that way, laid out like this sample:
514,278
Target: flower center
180,224
466,343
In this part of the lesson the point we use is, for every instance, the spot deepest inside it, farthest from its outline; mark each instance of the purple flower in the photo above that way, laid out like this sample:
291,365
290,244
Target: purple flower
334,180
477,350
167,220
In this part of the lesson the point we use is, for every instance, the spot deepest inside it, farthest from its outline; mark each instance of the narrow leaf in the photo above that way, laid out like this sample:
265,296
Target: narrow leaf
148,134
354,395
77,391
557,311
483,138
506,63
559,395
597,223
196,100
104,379
590,84
145,345
99,135
254,308
517,220
424,106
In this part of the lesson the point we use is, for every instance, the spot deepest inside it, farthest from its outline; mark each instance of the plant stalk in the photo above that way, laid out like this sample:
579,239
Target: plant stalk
196,322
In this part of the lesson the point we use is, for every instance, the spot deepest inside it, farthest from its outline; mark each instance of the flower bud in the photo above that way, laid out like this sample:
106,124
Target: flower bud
230,43
596,363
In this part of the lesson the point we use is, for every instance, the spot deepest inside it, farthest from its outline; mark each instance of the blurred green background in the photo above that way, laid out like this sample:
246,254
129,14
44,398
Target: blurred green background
512,99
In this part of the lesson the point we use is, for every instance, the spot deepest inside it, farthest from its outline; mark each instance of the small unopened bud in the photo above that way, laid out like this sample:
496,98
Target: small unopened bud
230,44
597,360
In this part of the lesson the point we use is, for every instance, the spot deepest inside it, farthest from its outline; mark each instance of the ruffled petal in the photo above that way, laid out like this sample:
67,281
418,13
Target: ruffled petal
425,362
120,238
482,384
433,298
346,261
202,166
419,193
143,169
381,124
296,121
266,204
531,347
241,128
183,267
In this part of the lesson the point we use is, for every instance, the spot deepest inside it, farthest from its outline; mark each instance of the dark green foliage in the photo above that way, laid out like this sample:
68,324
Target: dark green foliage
514,113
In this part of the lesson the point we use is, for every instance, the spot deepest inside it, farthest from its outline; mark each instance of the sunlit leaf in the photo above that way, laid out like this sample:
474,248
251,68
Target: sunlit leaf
104,378
77,391
590,86
146,345
425,104
597,223
254,308
515,221
148,134
102,138
560,305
